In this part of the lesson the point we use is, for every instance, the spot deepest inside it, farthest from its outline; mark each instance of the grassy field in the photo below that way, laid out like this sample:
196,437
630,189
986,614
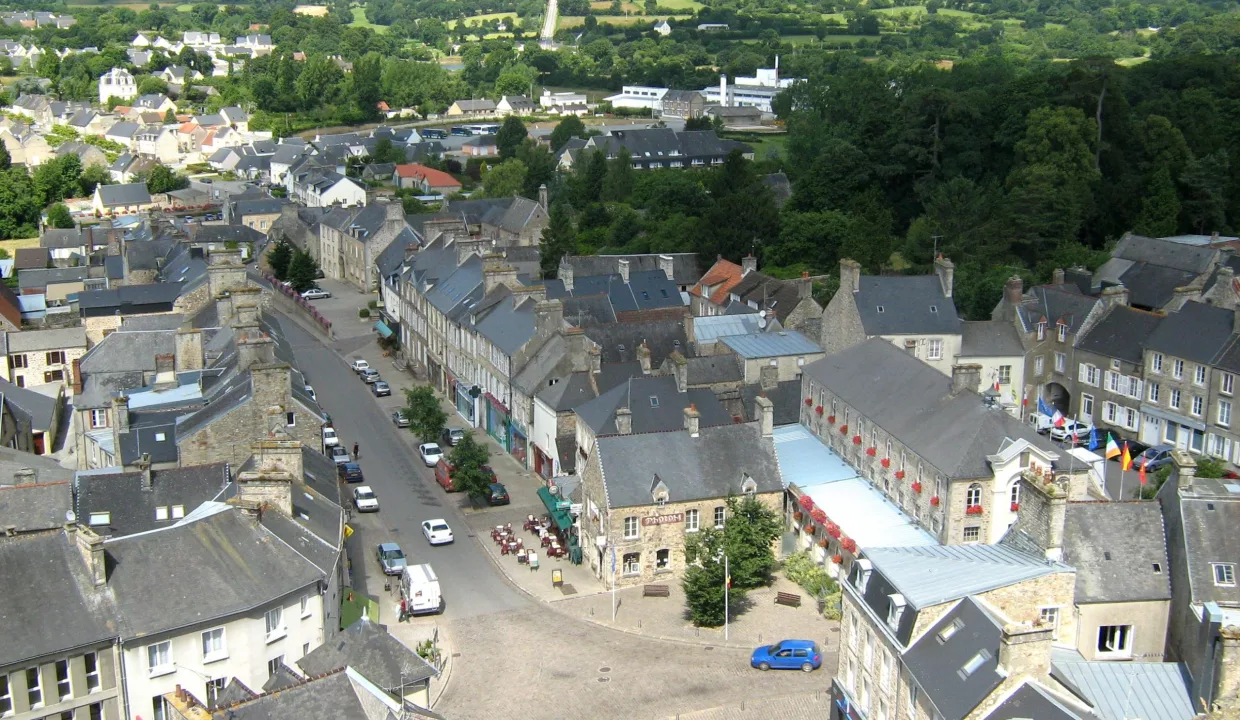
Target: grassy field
690,5
14,245
359,20
572,21
475,18
628,7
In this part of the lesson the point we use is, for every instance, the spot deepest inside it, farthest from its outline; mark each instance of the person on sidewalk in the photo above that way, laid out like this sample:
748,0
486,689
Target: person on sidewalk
357,454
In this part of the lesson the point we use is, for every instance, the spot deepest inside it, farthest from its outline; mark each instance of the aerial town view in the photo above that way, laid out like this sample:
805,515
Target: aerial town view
619,360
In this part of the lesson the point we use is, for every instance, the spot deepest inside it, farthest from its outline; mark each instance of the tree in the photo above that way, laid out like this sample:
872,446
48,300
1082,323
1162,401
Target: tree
510,136
170,116
1160,209
539,167
746,538
93,176
426,417
303,270
162,179
1205,195
504,180
705,578
386,152
467,460
558,239
279,257
367,84
618,183
6,160
569,127
152,85
58,216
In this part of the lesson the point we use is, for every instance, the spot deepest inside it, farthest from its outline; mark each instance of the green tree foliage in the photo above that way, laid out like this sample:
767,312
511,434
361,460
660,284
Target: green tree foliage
91,177
6,160
58,216
303,270
704,579
569,127
618,182
468,459
1160,210
746,538
19,205
162,179
426,417
539,167
504,180
57,179
368,85
1204,183
510,136
386,152
559,238
279,257
151,85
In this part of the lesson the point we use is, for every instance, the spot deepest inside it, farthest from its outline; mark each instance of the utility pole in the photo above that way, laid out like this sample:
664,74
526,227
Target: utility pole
936,239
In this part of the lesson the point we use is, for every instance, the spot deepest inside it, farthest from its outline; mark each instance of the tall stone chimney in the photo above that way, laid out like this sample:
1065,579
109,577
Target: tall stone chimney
1025,650
144,468
565,273
680,369
624,421
623,269
768,377
496,272
542,196
850,275
549,316
279,454
749,264
77,376
90,545
225,271
1057,276
596,359
189,349
394,217
966,377
255,349
273,488
946,270
1115,295
643,357
668,265
120,422
765,410
805,286
692,419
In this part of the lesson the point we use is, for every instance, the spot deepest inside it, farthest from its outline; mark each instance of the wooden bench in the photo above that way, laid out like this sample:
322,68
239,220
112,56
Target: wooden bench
655,591
789,599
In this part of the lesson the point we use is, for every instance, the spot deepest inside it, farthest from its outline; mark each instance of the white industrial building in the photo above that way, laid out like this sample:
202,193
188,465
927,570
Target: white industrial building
757,91
638,97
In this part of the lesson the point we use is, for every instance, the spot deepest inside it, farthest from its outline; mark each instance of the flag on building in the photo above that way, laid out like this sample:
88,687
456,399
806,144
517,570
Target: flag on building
1043,408
1058,419
1112,448
1125,462
1141,473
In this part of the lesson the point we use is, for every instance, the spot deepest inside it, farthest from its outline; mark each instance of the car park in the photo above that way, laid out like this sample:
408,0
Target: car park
497,494
437,532
365,500
381,389
431,454
330,438
400,419
787,655
433,134
315,294
1071,429
391,559
451,436
338,455
350,472
358,365
369,376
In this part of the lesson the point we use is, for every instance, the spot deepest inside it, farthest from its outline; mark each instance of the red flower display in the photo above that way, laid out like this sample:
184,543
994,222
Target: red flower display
833,530
849,544
871,451
818,515
831,419
934,501
886,462
856,439
899,474
843,429
1015,507
822,543
837,559
797,516
973,510
806,502
809,401
809,529
917,487
818,410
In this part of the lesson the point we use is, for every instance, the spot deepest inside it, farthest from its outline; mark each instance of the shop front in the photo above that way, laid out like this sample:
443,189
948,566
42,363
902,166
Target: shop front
498,421
842,706
520,441
464,401
566,543
543,464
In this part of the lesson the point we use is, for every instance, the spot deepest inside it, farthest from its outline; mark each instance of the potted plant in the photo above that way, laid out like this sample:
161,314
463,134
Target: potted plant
806,502
818,410
917,487
856,439
885,462
871,451
809,401
899,474
819,516
796,516
831,419
833,530
1015,507
843,429
973,510
934,501
837,559
849,544
809,529
822,543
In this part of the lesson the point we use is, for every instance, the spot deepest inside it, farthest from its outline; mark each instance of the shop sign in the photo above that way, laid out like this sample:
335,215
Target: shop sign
663,519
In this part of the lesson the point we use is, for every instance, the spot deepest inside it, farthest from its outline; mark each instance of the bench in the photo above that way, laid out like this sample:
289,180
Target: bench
789,599
655,591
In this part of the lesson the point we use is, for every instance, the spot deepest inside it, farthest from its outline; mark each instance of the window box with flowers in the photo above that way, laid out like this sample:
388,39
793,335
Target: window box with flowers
819,515
917,487
809,402
872,452
934,501
805,502
856,439
885,462
818,410
833,530
796,516
831,419
973,510
822,543
849,544
843,429
809,529
899,474
837,559
1016,507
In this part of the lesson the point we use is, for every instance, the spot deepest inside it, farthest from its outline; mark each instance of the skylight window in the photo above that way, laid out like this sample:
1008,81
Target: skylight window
654,401
880,308
946,633
974,663
934,308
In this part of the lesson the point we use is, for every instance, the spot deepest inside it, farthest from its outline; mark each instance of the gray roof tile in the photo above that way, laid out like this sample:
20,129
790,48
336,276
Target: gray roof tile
936,574
1196,332
911,305
989,338
132,509
1121,333
1114,547
369,649
937,665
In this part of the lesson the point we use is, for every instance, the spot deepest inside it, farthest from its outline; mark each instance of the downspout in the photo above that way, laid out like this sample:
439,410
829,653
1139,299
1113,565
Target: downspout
124,694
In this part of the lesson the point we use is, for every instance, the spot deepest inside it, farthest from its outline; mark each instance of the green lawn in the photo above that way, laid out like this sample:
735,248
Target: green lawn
690,5
491,16
359,20
572,21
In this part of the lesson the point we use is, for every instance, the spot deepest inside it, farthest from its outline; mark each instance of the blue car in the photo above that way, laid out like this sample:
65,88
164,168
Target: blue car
788,655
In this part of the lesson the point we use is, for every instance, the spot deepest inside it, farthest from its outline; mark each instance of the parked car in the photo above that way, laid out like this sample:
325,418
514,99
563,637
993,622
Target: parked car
381,389
1070,429
787,655
369,376
400,419
443,475
310,392
1153,458
364,499
497,494
350,472
358,365
431,454
437,532
391,559
330,438
451,436
315,294
338,454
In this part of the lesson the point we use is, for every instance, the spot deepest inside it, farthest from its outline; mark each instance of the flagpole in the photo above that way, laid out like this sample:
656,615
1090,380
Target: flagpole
613,583
727,580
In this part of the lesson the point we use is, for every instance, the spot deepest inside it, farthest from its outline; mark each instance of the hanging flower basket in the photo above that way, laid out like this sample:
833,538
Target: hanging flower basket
843,429
837,559
871,451
818,410
934,501
899,474
796,516
973,510
806,502
809,529
1015,507
833,530
831,419
819,516
809,401
917,487
885,462
856,439
849,544
822,543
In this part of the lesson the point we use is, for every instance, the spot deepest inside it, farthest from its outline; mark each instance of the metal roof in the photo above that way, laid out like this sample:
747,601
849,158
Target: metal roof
928,576
867,516
1146,690
712,328
784,342
805,461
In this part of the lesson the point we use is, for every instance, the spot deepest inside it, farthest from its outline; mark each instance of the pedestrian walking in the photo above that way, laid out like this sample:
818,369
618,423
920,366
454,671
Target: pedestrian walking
357,454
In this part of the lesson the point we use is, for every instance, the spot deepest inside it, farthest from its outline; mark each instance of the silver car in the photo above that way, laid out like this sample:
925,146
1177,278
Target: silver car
338,454
369,376
400,419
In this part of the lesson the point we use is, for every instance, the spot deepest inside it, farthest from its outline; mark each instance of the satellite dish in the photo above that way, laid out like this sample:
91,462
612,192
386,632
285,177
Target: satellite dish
761,319
70,516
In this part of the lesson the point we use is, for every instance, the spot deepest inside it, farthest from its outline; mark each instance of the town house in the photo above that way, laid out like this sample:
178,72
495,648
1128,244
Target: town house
1110,365
41,357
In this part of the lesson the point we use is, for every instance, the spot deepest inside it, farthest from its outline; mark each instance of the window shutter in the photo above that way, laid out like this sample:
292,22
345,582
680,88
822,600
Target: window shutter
1082,372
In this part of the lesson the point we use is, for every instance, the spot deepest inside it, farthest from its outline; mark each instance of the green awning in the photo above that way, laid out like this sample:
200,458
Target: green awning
562,519
382,328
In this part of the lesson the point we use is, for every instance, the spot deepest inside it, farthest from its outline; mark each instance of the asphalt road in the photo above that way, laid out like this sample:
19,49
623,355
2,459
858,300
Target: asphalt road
405,487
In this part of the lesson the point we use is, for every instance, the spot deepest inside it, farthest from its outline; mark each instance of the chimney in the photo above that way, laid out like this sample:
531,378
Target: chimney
723,89
255,351
1057,276
271,488
466,247
278,455
542,196
623,270
680,368
90,545
565,273
850,275
144,467
1115,295
1025,650
966,377
244,313
692,418
575,343
77,376
805,287
120,413
749,263
189,349
596,359
765,410
1181,295
495,273
394,217
768,377
643,357
26,476
1014,290
165,368
223,308
946,271
1227,670
624,421
668,266
549,316
1185,468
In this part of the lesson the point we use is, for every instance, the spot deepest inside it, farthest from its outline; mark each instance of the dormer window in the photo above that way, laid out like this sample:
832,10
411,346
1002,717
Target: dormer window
1041,331
895,610
1062,332
749,486
861,578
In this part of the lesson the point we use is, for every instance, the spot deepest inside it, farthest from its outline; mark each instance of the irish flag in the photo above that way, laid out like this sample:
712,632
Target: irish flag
1112,448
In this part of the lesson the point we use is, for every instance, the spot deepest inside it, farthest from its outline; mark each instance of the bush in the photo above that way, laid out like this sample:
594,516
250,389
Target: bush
373,304
363,313
813,578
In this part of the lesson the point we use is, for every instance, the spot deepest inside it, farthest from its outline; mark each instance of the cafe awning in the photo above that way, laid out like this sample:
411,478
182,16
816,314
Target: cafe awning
382,328
562,519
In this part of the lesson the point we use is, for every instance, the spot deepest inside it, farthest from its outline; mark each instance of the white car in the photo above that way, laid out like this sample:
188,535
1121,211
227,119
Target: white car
310,392
1071,428
437,532
431,454
315,294
330,439
364,499
359,365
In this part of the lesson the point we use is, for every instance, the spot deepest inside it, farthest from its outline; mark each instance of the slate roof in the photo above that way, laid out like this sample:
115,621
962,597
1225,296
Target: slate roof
1196,332
588,310
989,338
38,278
619,341
40,340
153,433
1210,527
475,105
662,414
758,291
128,349
132,509
913,402
772,344
1056,304
712,369
568,392
393,256
712,465
1121,333
40,505
936,665
911,305
31,257
245,565
932,575
131,194
785,401
55,606
369,649
1166,253
344,695
130,299
1114,547
1119,690
1031,700
685,267
39,408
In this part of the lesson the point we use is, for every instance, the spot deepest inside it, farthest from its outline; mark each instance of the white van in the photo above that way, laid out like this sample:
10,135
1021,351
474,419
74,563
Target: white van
420,588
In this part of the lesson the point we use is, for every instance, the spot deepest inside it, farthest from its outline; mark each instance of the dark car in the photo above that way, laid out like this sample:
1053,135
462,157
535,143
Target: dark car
498,495
381,389
350,472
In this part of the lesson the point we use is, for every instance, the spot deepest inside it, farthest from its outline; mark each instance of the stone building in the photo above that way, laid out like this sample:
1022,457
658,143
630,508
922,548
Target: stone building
643,493
42,357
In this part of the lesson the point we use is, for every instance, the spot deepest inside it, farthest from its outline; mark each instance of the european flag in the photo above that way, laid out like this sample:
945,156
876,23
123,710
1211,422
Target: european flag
1044,409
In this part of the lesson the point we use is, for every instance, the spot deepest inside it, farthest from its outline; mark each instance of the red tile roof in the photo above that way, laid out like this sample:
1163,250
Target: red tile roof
725,274
433,177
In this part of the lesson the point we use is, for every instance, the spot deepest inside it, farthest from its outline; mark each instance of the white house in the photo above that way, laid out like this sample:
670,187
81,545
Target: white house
324,189
117,83
638,97
551,100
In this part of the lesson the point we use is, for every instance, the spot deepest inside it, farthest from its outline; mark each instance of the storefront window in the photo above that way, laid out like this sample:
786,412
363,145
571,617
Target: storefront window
632,563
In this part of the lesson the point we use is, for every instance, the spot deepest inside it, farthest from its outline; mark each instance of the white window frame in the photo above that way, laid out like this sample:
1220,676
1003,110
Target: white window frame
1117,638
214,645
1226,383
1038,365
159,659
1198,406
934,349
1156,363
721,514
92,675
1005,374
1050,616
98,418
1174,399
1041,331
1224,413
1154,392
6,696
1087,405
64,686
976,530
1061,332
1224,574
632,528
631,564
1061,362
305,606
693,520
1177,372
1199,376
274,619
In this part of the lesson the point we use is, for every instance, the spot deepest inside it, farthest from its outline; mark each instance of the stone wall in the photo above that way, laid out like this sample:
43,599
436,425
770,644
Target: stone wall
98,328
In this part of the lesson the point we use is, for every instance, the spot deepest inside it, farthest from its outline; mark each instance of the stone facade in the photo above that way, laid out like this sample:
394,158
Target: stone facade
93,681
44,362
